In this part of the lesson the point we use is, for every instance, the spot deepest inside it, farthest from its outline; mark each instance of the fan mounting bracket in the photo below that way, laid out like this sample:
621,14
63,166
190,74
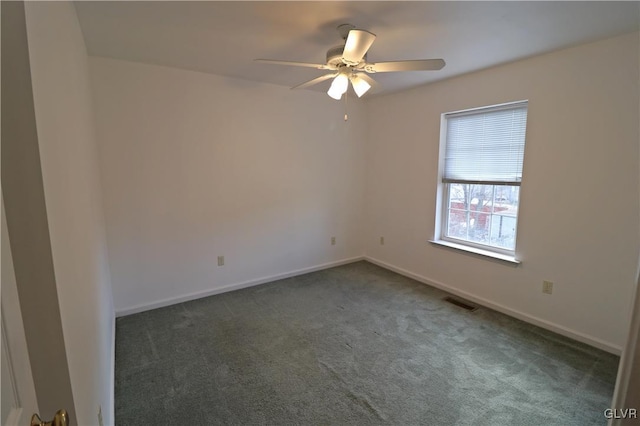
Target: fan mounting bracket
344,30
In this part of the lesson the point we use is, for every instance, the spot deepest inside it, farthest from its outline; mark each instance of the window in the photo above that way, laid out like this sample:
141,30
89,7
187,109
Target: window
482,151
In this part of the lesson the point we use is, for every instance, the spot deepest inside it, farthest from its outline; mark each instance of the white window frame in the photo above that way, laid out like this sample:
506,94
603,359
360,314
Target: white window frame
443,195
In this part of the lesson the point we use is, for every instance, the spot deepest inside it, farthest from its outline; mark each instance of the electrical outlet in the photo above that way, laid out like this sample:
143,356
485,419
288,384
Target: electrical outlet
547,287
333,241
220,260
381,241
100,421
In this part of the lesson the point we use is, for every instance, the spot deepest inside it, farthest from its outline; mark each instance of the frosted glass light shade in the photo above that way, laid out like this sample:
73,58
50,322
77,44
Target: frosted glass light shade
360,86
338,87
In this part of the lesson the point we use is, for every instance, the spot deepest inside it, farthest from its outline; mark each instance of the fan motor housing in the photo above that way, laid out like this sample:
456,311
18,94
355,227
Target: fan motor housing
334,56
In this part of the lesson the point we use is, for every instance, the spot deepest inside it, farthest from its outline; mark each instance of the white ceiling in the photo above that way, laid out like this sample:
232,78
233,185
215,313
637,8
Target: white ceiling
224,37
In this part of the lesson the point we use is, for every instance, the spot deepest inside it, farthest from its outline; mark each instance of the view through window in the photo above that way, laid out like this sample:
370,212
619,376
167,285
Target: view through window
484,214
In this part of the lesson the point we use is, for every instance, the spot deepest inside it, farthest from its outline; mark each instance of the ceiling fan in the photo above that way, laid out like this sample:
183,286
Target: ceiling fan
348,63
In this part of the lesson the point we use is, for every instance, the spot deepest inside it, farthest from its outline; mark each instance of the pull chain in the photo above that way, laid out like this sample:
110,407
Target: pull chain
346,117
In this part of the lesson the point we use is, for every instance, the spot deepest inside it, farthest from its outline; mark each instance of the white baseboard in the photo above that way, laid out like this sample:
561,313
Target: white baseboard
575,335
230,287
581,337
112,396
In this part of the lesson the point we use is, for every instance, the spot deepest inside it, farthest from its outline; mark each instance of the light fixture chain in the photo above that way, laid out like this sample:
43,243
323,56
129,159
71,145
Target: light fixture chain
346,117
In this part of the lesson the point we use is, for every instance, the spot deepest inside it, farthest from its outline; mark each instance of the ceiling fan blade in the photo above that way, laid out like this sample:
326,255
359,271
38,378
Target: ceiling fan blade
296,64
356,46
416,65
314,81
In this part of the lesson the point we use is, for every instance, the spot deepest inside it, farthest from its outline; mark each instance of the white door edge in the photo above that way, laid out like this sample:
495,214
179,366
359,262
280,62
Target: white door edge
14,343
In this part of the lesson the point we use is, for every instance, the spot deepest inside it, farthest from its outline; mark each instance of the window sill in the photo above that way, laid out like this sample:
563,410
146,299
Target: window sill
498,256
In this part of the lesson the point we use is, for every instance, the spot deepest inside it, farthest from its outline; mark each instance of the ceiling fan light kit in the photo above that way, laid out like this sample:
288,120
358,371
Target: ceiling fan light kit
348,63
340,84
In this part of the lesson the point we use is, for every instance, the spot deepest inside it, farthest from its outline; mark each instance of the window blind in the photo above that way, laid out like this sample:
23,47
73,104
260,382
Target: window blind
486,145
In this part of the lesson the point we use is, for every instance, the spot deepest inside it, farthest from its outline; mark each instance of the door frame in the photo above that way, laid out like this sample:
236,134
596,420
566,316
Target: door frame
14,343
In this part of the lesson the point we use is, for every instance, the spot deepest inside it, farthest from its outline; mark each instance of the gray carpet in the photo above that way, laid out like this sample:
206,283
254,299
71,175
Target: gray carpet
356,344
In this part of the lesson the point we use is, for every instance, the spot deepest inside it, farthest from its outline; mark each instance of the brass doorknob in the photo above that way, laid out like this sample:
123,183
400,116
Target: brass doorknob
61,418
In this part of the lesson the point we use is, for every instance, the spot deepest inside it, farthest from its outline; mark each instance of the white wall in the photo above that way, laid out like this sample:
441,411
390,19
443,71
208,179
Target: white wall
68,154
197,166
579,198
